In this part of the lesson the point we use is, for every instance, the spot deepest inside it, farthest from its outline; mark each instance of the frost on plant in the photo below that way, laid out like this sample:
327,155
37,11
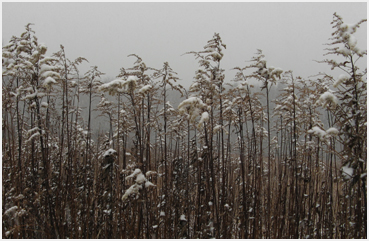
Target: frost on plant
140,181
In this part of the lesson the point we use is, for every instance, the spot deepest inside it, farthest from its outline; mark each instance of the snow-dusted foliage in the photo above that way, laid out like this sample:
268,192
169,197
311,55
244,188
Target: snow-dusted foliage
109,152
140,181
318,132
269,155
192,106
351,94
328,99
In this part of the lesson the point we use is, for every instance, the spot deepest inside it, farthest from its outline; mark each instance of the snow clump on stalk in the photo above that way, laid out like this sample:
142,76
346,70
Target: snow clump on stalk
341,79
327,98
317,132
119,85
194,106
347,172
137,186
109,152
332,131
323,134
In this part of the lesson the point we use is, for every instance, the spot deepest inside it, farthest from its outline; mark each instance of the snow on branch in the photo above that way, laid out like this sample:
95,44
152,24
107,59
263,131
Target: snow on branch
328,99
138,185
193,106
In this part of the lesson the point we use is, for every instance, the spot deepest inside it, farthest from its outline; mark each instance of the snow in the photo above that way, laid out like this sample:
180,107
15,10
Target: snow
34,95
204,118
112,86
46,67
144,89
107,211
150,173
149,184
183,218
140,179
19,197
106,166
191,102
132,190
109,152
135,173
42,47
347,172
132,78
352,41
345,52
217,128
21,213
118,85
332,131
46,60
341,79
31,96
32,130
275,72
44,104
50,74
328,98
11,210
162,214
317,131
33,136
48,82
348,27
131,81
194,106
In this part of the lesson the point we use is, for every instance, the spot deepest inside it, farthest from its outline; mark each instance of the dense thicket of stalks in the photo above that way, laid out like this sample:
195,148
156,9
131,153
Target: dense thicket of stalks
228,162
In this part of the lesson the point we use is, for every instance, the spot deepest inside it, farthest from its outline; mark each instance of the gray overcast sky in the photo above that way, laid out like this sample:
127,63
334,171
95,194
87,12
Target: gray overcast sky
291,35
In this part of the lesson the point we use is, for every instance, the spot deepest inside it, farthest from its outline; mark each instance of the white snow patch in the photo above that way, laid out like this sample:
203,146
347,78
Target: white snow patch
193,106
150,173
183,218
132,190
317,131
140,179
149,184
217,128
48,82
32,130
135,173
33,136
328,98
332,131
144,89
204,118
50,73
44,104
347,172
109,152
11,210
341,79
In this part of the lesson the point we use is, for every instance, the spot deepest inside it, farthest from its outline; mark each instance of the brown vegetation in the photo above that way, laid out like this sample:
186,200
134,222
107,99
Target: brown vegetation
229,162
